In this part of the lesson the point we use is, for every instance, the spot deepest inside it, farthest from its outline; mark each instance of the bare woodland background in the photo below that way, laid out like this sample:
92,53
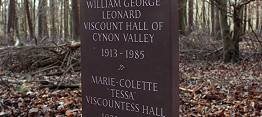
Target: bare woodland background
32,22
231,21
220,58
36,21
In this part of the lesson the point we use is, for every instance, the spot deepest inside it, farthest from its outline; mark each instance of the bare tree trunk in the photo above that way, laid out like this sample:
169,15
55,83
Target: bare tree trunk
190,15
66,5
217,26
61,17
203,14
2,13
213,19
250,21
208,27
196,16
5,21
33,14
24,20
52,16
182,18
231,44
245,19
44,21
16,24
75,20
242,20
236,34
11,16
30,25
257,14
40,20
228,50
11,21
261,20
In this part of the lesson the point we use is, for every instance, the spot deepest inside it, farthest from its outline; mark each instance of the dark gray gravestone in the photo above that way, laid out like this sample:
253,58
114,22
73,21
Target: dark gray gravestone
129,58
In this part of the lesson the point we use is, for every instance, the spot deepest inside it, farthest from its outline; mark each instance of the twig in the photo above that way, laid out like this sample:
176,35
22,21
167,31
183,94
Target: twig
62,79
220,49
186,90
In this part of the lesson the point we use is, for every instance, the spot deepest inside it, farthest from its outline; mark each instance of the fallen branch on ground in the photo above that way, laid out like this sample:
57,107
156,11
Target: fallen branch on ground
41,60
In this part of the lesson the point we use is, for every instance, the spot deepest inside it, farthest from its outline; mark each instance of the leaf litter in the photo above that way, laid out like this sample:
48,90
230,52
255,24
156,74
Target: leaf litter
213,88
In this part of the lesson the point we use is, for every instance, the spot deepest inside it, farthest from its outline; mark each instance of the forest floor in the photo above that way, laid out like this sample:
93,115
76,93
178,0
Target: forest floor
40,81
29,97
208,87
212,88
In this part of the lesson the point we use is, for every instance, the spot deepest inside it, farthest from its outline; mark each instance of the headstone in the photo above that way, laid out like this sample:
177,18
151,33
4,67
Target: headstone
129,58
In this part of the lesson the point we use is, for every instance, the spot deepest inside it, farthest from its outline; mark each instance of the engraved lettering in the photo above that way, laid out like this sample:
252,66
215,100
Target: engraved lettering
103,80
138,38
135,84
122,94
155,111
121,14
141,3
103,26
139,26
103,3
109,37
